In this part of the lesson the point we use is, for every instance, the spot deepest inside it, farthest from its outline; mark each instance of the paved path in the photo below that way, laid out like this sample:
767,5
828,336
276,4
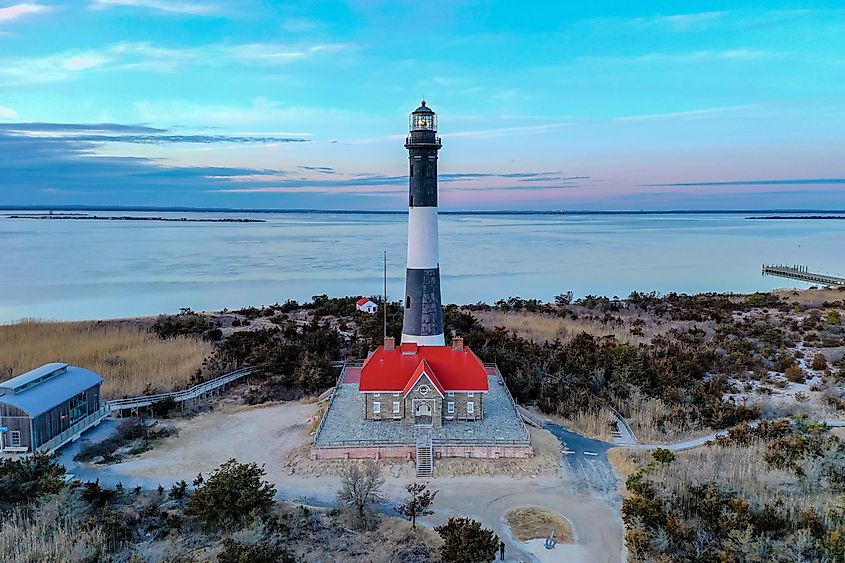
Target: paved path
701,440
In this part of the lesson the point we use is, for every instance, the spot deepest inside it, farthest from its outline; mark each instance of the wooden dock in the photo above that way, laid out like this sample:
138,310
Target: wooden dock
802,273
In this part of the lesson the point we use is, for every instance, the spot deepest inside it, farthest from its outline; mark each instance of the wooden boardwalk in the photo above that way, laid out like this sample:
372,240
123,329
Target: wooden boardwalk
802,273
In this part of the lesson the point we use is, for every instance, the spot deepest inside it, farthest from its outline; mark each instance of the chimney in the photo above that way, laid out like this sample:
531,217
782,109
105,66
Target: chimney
389,343
457,343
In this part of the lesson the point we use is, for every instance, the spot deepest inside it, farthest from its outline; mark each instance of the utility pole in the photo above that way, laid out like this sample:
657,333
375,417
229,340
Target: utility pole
384,295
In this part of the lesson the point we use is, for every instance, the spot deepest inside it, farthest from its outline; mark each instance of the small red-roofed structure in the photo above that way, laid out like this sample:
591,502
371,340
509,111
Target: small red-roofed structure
366,305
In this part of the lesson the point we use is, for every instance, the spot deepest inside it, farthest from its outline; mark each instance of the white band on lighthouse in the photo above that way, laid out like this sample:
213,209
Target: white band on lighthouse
429,340
422,238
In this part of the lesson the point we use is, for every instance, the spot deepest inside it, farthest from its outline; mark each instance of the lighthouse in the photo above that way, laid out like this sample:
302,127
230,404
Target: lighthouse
423,318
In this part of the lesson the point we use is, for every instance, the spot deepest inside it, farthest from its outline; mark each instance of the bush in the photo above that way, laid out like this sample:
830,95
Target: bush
795,374
24,480
819,362
261,552
235,493
465,541
186,323
129,430
662,455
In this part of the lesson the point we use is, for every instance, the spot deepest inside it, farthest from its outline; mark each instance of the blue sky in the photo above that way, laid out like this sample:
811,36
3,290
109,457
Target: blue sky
542,105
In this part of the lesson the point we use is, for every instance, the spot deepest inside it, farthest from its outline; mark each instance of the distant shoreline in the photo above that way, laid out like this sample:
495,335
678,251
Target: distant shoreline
799,217
553,212
83,217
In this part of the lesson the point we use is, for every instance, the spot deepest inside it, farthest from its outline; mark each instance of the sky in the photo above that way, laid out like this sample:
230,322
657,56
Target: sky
647,105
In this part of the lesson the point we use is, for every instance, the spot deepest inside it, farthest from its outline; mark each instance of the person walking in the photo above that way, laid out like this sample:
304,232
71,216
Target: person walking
501,551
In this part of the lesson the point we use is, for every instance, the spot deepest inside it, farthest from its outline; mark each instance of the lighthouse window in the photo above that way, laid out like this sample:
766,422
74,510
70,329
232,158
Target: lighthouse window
410,201
408,302
412,170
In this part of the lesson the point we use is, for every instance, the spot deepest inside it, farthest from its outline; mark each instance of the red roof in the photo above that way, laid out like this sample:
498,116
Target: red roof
423,370
361,301
449,370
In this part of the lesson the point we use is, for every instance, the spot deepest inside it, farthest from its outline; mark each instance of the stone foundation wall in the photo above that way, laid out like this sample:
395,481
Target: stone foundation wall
409,452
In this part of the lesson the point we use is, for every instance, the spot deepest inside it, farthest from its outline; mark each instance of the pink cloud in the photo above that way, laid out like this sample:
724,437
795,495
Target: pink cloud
20,10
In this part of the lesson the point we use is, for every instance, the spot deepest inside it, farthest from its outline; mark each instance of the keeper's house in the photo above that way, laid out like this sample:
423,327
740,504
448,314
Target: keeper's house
47,407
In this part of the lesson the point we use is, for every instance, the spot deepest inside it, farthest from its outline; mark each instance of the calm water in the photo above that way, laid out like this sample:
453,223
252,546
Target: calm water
102,269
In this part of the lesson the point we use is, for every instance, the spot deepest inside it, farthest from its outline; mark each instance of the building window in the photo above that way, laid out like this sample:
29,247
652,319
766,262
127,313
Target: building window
395,407
397,394
450,407
408,302
15,437
470,407
470,394
376,394
376,407
423,389
451,393
78,407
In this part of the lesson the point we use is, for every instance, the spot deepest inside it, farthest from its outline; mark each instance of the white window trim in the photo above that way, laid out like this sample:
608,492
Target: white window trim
15,436
470,394
396,407
376,407
450,407
423,389
397,394
376,394
470,407
450,393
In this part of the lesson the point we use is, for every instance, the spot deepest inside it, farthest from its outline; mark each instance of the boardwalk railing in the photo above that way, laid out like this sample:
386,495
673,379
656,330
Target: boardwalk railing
197,391
76,429
800,272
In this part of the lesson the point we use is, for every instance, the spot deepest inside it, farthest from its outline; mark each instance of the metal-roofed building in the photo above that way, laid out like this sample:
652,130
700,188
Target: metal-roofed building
44,408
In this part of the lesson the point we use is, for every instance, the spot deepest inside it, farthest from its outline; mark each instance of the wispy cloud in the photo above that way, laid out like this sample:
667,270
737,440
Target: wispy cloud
679,22
692,114
19,10
688,57
797,182
7,113
134,134
516,130
170,6
144,55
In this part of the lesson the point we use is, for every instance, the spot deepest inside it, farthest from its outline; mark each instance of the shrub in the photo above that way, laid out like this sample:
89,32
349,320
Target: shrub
361,491
795,374
260,552
24,480
663,455
233,494
466,541
819,362
186,323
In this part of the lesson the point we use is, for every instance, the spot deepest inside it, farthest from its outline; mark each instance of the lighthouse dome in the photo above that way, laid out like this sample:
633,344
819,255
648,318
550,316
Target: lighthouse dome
423,108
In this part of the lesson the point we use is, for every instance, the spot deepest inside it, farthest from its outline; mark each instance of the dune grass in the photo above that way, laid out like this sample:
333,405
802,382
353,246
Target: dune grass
127,356
536,523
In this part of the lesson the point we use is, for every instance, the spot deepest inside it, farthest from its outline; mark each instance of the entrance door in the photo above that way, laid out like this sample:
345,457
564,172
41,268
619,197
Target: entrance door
423,412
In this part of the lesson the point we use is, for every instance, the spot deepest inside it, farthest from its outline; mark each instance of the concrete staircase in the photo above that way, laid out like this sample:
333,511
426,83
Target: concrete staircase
425,457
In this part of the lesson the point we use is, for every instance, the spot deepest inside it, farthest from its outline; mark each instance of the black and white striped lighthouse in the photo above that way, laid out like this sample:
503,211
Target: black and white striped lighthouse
423,319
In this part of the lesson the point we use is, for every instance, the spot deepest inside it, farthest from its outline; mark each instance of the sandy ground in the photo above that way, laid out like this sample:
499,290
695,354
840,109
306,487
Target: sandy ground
268,435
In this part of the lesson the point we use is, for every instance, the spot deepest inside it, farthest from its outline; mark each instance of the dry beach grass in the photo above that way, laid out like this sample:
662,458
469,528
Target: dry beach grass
129,357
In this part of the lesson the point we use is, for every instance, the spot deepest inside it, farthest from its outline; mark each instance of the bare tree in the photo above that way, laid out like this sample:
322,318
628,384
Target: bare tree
361,490
419,503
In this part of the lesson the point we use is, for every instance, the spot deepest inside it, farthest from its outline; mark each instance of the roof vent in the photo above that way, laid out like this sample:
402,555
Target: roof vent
409,348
